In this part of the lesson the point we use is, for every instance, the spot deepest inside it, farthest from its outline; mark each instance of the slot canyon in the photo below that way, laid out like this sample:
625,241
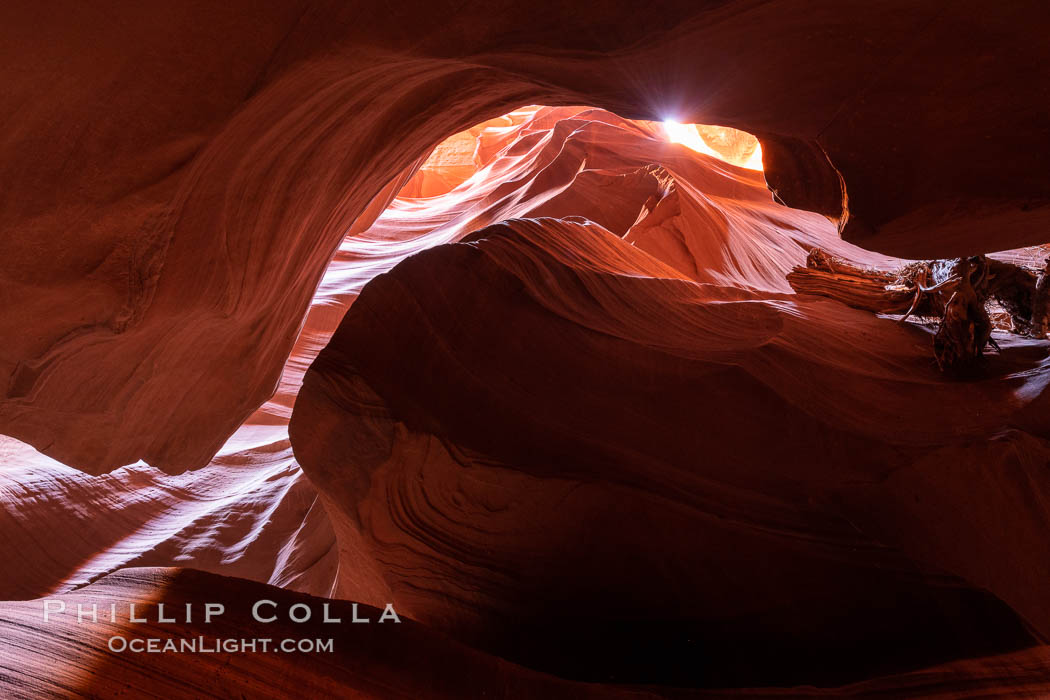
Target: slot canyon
642,350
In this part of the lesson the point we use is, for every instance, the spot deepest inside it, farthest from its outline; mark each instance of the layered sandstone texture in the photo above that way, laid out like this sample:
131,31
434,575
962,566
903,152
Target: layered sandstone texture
549,391
177,177
599,401
535,432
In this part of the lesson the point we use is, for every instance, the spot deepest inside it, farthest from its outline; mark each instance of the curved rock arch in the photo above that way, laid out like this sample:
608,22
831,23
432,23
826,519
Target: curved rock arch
175,185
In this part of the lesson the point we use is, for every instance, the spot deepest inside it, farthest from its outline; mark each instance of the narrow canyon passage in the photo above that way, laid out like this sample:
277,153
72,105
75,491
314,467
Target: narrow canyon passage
559,402
537,414
652,350
193,224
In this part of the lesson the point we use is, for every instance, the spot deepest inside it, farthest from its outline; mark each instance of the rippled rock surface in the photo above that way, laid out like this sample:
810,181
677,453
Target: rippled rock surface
637,456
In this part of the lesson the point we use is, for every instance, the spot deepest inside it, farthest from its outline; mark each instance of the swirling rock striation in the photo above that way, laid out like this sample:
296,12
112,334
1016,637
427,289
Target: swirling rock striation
507,458
640,457
565,471
177,177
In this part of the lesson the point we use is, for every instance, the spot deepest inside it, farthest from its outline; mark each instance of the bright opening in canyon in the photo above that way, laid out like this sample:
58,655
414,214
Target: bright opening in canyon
600,406
731,145
461,155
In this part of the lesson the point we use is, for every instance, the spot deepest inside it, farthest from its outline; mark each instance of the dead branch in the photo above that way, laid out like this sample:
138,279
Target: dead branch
956,292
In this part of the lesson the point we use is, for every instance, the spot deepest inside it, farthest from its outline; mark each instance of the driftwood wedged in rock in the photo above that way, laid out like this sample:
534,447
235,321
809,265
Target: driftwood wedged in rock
862,288
965,326
1041,303
955,291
